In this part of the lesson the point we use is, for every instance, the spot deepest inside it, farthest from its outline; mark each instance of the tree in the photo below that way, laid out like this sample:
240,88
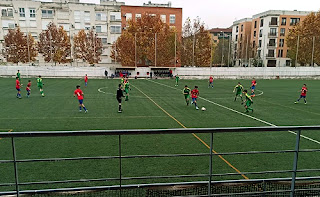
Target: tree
19,47
196,44
148,41
306,31
54,44
87,46
222,48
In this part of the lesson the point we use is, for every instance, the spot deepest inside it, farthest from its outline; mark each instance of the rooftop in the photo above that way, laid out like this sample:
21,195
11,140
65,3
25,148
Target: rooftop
218,30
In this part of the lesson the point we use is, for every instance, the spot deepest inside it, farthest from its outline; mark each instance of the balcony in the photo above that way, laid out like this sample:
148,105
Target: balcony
272,35
273,45
273,24
282,34
270,56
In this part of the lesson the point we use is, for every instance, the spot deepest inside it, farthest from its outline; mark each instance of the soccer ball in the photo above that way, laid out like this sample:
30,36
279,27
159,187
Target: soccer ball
203,109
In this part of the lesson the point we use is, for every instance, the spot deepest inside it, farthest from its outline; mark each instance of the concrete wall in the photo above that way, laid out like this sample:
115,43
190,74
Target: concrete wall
188,72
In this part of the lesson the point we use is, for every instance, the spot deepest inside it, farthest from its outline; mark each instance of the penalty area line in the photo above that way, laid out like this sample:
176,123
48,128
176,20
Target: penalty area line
197,137
252,117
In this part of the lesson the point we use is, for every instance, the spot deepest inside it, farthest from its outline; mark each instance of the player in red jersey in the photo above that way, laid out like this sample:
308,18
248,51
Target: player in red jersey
253,87
210,82
28,88
78,92
303,94
18,86
194,96
85,80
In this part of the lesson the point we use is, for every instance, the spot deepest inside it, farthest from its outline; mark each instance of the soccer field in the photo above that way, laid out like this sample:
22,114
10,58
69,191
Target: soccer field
154,104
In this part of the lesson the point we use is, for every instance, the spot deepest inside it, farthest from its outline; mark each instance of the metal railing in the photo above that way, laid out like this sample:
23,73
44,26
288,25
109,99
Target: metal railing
209,183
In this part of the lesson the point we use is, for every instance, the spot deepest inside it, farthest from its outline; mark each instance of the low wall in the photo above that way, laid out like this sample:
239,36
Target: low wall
184,72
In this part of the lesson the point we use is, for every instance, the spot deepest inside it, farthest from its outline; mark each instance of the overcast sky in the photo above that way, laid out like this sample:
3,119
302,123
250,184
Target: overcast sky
221,13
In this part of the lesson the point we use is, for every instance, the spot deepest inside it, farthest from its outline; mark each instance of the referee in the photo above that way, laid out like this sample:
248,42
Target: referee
119,97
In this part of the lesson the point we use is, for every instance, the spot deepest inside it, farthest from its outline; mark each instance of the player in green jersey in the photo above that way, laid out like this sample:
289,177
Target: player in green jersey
186,92
177,80
19,75
238,89
248,101
126,89
40,85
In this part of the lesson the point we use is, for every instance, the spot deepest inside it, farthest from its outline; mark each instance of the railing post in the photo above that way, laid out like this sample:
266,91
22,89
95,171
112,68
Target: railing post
210,165
120,166
295,164
15,166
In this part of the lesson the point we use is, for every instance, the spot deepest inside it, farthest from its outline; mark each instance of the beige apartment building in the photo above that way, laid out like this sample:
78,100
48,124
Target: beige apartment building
33,16
267,38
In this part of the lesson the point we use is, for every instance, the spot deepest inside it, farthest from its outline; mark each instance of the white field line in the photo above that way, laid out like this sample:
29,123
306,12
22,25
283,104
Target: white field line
101,91
252,117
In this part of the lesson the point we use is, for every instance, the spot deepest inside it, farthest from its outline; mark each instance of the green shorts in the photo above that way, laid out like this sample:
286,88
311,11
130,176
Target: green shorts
186,96
248,103
238,93
126,90
40,86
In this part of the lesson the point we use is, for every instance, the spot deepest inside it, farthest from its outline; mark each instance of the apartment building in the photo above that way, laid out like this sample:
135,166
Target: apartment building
268,37
219,33
241,34
34,16
171,16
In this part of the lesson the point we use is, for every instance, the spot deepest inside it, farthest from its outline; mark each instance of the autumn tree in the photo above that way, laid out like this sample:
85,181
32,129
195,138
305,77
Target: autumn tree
146,41
87,46
19,47
307,32
196,44
54,44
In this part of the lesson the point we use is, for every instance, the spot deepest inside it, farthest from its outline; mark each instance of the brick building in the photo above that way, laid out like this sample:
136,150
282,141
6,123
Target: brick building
169,15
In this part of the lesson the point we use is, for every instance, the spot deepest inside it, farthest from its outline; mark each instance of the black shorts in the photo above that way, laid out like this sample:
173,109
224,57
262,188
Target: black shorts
119,100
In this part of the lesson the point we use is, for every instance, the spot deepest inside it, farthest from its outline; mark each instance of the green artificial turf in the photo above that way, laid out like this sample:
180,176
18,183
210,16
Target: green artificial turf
58,111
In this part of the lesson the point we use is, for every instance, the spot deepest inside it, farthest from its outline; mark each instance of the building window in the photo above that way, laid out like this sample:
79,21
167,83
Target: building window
77,25
274,21
138,16
294,21
115,29
98,29
273,32
163,18
280,53
253,44
240,36
98,16
272,42
260,33
32,13
47,14
237,29
115,16
281,42
254,34
22,12
284,21
104,40
128,16
282,32
260,43
172,19
261,23
236,37
271,53
77,16
87,16
241,28
7,12
255,24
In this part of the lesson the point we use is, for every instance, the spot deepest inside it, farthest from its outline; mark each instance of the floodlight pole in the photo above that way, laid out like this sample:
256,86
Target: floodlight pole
313,40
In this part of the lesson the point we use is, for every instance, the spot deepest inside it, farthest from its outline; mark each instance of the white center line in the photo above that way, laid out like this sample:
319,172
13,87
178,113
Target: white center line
252,117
